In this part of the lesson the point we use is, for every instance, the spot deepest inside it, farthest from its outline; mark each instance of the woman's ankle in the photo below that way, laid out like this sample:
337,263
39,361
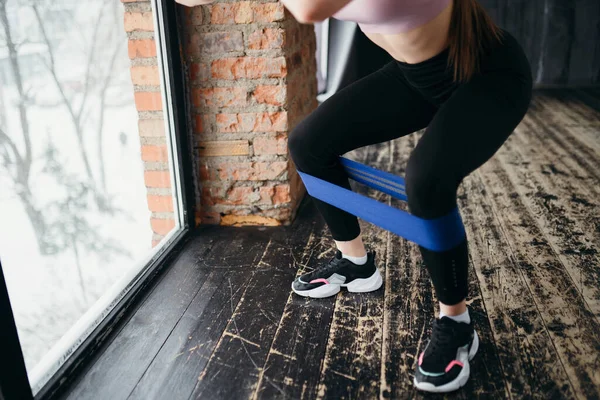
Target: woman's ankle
458,312
352,248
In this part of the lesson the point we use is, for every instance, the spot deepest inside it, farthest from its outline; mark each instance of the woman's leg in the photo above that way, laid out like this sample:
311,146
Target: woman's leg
467,130
375,109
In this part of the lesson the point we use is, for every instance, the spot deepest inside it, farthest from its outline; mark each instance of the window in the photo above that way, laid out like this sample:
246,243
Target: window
322,54
335,40
89,166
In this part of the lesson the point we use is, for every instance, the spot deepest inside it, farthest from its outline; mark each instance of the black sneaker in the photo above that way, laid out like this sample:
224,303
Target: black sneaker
327,279
444,365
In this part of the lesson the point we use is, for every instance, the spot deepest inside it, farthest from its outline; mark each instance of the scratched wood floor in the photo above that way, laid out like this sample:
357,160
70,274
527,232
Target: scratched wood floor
222,324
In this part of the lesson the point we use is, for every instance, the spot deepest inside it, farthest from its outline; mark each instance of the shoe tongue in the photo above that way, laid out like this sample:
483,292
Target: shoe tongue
446,323
445,320
338,254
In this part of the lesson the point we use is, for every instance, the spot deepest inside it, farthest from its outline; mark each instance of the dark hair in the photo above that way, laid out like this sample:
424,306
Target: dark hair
471,33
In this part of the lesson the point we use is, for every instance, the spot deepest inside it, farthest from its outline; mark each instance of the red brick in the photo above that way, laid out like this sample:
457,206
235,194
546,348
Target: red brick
268,12
155,153
252,171
281,214
193,15
210,217
148,101
218,62
309,63
249,68
244,12
206,196
162,226
157,179
278,194
273,95
266,194
205,173
160,203
282,194
238,171
138,21
219,97
141,48
216,42
296,35
224,148
151,127
145,75
252,122
199,124
234,196
223,13
248,220
200,72
267,145
266,39
241,195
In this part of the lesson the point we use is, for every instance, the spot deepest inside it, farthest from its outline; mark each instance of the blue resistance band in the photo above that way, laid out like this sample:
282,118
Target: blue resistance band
438,234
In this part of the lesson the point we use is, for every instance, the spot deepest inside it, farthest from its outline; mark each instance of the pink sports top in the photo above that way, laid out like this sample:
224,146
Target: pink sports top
391,16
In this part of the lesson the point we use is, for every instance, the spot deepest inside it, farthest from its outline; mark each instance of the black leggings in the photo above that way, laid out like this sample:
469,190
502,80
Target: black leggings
466,124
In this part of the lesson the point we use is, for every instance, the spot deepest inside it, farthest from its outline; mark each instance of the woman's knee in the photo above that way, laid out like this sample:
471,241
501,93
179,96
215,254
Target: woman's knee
299,143
305,143
430,188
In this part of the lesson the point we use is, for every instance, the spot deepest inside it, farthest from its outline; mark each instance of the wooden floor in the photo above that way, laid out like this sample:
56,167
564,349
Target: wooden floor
222,324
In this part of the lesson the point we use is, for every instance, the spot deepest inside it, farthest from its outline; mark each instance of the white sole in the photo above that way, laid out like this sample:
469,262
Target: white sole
369,284
459,381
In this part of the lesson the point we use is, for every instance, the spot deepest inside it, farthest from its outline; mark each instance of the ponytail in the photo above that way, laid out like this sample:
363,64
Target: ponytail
471,33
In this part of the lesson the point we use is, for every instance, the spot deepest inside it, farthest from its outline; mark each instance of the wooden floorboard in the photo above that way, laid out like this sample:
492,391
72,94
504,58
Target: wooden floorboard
566,317
182,358
116,371
247,339
528,359
566,215
291,369
222,324
352,364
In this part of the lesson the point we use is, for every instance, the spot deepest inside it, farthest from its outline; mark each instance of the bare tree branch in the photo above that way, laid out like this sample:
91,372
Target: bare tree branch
7,141
23,163
10,148
90,63
14,63
99,137
69,218
52,66
74,116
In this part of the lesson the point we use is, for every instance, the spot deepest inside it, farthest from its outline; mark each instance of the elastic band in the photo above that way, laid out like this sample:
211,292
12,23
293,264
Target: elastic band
375,178
438,234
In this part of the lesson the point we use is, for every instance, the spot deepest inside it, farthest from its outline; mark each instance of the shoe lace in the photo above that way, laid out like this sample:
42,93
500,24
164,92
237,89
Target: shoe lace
333,264
442,342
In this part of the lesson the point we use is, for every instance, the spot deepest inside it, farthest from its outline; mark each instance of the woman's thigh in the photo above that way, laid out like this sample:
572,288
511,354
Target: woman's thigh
375,109
466,132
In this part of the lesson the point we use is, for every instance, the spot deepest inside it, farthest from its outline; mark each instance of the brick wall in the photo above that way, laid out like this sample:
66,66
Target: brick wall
252,78
138,22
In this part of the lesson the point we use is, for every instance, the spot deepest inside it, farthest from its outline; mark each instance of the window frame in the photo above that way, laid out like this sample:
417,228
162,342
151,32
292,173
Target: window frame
14,381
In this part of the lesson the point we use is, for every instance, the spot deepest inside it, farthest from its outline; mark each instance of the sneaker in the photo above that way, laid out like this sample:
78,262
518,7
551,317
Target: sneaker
327,279
444,365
